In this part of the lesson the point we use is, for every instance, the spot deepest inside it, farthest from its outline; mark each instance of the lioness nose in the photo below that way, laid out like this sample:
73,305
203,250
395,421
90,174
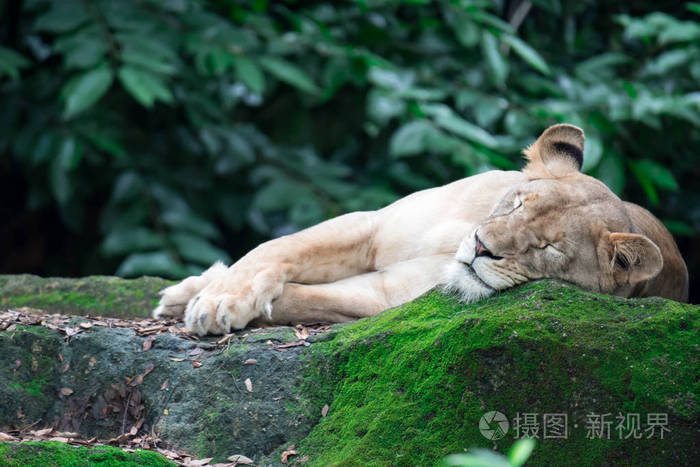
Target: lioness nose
480,249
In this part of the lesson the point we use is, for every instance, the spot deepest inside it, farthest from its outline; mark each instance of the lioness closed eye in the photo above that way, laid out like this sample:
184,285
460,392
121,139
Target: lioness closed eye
478,235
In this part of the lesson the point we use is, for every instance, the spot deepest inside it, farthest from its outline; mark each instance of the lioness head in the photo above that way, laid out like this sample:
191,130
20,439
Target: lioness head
560,224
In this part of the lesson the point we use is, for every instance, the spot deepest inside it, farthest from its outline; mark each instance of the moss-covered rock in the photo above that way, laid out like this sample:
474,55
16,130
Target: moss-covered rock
411,384
53,453
405,387
94,295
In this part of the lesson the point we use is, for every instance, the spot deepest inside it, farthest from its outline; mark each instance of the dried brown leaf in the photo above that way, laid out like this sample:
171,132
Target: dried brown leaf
148,369
66,391
196,351
199,462
287,454
301,332
85,325
148,343
138,380
240,459
196,364
250,361
324,410
43,432
248,384
225,339
164,386
290,344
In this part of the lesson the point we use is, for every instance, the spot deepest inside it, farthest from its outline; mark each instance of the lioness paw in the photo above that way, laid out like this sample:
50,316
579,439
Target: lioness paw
231,302
174,299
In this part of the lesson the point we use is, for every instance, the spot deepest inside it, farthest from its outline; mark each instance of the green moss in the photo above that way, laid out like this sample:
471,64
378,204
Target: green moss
34,387
410,385
47,453
96,295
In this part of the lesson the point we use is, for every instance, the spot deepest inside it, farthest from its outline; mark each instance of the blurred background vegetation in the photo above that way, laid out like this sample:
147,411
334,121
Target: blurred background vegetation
156,136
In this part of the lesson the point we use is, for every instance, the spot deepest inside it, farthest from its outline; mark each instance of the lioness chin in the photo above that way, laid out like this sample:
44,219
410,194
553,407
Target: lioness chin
477,235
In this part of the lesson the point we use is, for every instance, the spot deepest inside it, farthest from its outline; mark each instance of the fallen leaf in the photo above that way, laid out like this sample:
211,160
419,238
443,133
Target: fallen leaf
301,332
136,381
225,339
43,432
66,391
240,459
196,364
66,366
248,385
60,439
148,369
164,386
196,351
60,357
148,343
324,410
199,462
286,454
290,344
92,361
6,437
175,359
250,361
85,325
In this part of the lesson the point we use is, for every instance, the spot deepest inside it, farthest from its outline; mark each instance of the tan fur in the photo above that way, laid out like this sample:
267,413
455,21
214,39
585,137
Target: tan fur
549,220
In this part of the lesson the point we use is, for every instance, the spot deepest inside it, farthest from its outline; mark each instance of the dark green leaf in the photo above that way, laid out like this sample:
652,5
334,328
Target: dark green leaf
159,263
410,139
197,249
11,62
527,53
250,73
289,73
494,59
122,242
63,16
144,86
86,89
463,128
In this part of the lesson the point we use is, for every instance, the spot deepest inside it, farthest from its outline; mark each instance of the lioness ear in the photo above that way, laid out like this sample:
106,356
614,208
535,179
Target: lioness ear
634,258
557,152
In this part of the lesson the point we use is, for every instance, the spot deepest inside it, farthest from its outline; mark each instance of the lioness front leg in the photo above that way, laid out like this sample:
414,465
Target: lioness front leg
358,296
335,249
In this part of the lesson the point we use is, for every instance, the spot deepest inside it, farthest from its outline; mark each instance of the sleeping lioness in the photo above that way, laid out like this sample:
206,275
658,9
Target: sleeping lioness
475,236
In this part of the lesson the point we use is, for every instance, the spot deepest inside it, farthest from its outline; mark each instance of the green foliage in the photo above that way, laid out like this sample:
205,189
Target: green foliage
518,454
185,129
